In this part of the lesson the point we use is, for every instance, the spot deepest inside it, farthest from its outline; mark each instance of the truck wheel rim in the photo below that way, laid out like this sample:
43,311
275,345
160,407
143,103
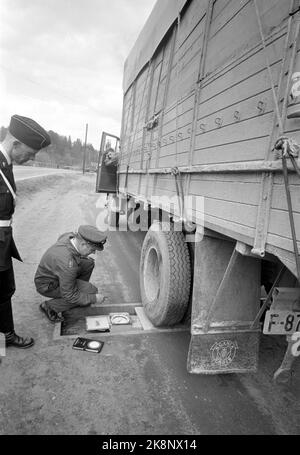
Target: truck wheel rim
152,274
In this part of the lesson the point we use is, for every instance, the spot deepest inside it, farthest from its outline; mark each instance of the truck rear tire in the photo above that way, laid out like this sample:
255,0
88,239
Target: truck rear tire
165,275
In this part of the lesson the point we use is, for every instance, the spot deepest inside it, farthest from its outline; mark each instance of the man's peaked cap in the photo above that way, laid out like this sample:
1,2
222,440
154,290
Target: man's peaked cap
92,235
29,132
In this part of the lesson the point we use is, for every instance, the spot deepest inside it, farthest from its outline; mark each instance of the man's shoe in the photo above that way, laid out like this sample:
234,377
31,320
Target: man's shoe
51,314
12,339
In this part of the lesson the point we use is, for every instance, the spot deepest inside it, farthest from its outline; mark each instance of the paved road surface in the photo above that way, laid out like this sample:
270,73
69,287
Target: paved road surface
26,172
139,383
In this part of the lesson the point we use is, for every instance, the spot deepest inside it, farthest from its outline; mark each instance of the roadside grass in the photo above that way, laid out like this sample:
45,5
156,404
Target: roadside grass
27,187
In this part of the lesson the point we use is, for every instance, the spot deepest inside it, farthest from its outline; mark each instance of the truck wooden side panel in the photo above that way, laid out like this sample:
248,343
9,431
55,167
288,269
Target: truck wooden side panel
173,119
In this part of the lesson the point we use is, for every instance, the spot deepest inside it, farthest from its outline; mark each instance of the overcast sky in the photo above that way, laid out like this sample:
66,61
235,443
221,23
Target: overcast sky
61,62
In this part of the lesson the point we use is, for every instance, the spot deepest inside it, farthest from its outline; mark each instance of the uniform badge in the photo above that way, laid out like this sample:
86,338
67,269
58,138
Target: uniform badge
71,263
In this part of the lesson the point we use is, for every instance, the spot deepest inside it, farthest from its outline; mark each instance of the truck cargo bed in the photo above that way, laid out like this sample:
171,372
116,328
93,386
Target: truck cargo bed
209,100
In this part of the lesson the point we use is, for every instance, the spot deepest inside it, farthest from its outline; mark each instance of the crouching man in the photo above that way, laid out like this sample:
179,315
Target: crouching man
65,270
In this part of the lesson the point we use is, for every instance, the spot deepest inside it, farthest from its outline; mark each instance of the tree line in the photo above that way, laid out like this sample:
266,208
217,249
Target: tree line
63,152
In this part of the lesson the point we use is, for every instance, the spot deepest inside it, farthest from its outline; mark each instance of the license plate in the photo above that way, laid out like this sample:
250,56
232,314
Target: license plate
281,322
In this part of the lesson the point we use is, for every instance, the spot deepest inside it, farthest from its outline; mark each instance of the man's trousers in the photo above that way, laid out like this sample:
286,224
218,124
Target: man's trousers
57,303
7,290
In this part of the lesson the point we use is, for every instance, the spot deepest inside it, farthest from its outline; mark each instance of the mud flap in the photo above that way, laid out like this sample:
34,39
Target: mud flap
226,298
221,352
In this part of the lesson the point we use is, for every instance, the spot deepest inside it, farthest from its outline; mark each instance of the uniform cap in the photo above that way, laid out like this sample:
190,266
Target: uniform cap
92,235
29,132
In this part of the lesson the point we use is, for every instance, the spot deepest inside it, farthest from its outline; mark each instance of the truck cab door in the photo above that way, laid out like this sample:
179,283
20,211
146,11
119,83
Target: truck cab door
107,170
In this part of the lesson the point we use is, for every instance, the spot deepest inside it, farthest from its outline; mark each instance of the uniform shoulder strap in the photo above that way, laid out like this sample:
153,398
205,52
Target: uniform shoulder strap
8,185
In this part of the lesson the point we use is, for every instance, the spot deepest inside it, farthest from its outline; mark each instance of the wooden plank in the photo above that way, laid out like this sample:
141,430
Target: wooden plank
155,94
173,94
203,54
231,211
182,159
223,12
160,95
185,104
243,27
186,57
122,178
219,7
131,119
222,46
240,89
156,77
230,168
256,127
241,111
293,178
182,135
153,146
129,110
272,14
132,183
235,230
150,191
279,241
292,127
280,224
168,60
170,149
143,185
135,148
237,177
193,14
167,55
168,192
150,72
245,67
188,80
191,45
279,198
159,56
252,149
183,120
141,81
246,193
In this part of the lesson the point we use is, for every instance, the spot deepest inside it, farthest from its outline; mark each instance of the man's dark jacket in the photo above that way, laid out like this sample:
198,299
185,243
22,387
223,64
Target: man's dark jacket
60,266
7,245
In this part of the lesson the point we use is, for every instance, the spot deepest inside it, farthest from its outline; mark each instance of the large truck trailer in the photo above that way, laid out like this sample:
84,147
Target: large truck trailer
209,151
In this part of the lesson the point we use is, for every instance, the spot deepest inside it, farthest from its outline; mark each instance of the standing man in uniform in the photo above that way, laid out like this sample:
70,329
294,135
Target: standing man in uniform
23,140
64,272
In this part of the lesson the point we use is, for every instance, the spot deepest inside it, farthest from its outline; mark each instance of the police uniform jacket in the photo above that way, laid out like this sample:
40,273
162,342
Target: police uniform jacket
7,245
60,267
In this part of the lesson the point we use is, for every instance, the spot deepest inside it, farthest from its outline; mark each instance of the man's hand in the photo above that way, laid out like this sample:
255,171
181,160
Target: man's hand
100,298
